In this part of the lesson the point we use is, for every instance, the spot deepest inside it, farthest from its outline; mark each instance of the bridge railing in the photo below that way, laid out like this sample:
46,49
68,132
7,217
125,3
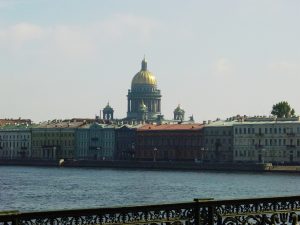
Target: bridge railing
260,211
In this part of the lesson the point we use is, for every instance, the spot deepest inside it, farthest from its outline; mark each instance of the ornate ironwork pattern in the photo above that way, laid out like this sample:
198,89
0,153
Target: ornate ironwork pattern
262,211
167,214
270,211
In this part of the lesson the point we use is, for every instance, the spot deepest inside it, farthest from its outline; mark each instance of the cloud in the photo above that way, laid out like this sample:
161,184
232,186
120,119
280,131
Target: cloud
25,32
223,66
21,33
80,40
284,68
121,26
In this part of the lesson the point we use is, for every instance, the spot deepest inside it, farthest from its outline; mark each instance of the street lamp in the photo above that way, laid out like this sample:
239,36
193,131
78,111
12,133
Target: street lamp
98,152
154,154
202,154
132,152
11,152
263,155
54,152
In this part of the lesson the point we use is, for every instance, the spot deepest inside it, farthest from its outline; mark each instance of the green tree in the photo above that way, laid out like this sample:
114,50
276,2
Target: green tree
282,109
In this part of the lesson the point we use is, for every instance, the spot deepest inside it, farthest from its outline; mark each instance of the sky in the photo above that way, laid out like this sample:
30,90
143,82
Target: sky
66,59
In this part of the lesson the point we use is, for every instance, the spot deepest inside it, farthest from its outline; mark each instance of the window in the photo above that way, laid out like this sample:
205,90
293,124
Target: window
284,130
259,130
271,142
253,130
266,130
266,142
279,130
271,130
279,142
284,142
245,130
249,131
275,130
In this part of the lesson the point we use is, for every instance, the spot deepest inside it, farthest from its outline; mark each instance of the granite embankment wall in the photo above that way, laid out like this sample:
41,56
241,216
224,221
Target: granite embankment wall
192,166
167,165
145,165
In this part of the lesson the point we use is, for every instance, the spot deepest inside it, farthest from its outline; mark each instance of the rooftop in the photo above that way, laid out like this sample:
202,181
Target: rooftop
63,124
195,126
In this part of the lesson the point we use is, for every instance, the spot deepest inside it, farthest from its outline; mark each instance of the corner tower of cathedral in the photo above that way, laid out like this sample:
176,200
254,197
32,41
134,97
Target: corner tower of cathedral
143,92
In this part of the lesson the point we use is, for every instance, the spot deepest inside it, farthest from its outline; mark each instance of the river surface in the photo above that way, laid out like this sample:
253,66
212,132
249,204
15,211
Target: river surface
50,188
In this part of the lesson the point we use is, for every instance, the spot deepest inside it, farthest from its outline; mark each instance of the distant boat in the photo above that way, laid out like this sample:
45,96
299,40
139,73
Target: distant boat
61,162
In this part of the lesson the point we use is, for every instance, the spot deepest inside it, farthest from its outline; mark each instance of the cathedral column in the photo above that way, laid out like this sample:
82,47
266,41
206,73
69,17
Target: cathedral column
149,104
152,106
159,105
128,106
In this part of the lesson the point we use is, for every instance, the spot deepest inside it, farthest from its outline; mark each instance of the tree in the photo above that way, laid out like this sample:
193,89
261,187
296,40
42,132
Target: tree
282,109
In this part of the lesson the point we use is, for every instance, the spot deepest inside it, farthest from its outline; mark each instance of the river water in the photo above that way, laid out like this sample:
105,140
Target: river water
50,188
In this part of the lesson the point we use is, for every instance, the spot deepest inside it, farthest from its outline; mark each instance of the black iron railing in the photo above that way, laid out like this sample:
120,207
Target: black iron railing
260,211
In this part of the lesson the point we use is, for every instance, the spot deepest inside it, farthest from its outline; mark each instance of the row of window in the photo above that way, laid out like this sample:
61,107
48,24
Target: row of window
266,130
249,153
96,134
13,144
269,142
219,132
218,140
53,142
13,137
171,141
51,134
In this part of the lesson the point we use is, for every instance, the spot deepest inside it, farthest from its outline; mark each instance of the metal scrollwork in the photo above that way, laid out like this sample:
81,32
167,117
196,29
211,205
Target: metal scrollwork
264,211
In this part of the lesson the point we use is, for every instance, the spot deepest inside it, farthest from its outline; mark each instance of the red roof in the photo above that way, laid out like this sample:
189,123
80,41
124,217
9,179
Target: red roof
169,127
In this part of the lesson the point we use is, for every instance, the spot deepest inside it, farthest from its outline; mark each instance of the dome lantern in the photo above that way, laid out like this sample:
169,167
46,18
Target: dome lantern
144,65
144,77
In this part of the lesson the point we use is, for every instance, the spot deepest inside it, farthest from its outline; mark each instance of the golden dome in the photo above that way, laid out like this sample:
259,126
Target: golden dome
144,76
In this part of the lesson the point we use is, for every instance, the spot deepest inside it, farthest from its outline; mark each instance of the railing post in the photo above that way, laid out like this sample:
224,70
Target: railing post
196,212
15,221
210,216
198,219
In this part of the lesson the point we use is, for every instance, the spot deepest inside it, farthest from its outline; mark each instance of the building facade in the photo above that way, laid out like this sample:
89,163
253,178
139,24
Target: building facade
267,140
15,142
218,142
95,142
54,140
144,99
169,142
125,142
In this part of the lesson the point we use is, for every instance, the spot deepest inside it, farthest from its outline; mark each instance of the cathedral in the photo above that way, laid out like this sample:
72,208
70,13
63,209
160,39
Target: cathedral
144,101
144,98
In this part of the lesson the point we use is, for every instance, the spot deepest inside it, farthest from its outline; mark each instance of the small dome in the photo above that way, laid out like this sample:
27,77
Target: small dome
144,77
178,109
108,107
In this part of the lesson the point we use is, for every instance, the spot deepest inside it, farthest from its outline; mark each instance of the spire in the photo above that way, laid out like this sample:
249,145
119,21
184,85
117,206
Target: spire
144,64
